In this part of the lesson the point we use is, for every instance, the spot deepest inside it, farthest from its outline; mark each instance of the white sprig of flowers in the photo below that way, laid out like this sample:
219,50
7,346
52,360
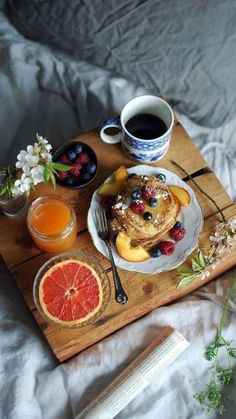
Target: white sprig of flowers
34,165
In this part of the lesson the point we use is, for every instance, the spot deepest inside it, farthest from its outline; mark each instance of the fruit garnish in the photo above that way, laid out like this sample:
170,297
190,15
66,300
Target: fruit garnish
62,175
161,177
76,169
177,233
137,206
85,177
78,148
131,254
180,193
113,188
156,252
167,247
148,192
147,216
71,180
71,155
91,168
178,224
152,202
136,194
82,158
63,159
70,292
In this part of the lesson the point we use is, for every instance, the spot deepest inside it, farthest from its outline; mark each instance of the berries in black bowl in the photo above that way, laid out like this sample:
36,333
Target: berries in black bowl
83,161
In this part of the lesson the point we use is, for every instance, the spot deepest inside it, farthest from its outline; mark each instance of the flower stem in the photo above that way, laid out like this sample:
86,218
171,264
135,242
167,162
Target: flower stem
200,189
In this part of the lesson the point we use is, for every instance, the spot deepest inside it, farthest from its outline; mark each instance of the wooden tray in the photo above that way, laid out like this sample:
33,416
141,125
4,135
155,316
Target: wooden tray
146,292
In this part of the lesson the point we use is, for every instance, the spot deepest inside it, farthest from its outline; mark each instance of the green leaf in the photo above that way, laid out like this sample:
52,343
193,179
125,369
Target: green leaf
196,266
185,270
210,352
224,375
185,280
46,174
60,166
3,189
202,259
231,352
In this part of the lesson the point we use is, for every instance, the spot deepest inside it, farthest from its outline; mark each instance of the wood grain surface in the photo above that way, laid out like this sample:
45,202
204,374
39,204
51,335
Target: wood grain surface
146,292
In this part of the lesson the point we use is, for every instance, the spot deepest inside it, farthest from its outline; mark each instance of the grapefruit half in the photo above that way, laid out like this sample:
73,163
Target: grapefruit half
70,292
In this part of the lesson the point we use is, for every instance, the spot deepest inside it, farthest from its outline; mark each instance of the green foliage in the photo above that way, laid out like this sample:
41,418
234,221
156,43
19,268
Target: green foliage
187,275
212,397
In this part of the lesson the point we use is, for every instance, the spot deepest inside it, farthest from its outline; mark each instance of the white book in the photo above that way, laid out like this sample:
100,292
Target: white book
164,349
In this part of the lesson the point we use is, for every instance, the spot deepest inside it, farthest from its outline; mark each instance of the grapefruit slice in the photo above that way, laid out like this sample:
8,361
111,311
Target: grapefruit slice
70,292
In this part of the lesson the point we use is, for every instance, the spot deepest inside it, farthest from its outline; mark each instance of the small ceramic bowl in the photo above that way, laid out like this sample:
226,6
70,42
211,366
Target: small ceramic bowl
84,161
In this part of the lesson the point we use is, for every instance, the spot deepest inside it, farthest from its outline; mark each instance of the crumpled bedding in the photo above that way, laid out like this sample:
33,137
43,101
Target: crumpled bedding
60,97
181,49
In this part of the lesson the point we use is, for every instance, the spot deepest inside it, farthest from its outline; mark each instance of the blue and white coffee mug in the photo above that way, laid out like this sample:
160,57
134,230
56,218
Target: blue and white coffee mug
137,147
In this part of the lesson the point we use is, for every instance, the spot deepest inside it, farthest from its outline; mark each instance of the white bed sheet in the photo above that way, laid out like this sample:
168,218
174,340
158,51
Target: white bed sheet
60,98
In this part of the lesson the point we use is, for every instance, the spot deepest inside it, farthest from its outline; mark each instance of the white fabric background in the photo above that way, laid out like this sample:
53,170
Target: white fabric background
60,98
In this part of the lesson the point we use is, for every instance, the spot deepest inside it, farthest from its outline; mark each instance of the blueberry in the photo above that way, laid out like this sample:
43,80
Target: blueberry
85,177
78,148
71,155
136,194
178,224
71,180
147,216
153,202
161,177
156,252
90,168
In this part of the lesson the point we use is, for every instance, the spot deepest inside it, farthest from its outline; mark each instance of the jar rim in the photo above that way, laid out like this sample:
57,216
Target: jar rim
45,236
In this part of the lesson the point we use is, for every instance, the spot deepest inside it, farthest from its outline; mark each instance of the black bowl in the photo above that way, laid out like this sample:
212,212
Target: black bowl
84,178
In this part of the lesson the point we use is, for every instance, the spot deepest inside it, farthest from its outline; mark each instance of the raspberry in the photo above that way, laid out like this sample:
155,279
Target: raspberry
63,159
137,206
148,192
82,158
76,169
167,248
177,233
62,175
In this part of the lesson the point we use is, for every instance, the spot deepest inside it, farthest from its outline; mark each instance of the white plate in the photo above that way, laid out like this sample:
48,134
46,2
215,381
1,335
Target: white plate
190,216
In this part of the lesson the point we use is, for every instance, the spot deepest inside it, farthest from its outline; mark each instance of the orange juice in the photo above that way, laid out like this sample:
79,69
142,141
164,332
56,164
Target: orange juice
52,223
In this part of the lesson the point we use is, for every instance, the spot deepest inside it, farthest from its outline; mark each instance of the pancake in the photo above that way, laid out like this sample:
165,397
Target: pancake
145,233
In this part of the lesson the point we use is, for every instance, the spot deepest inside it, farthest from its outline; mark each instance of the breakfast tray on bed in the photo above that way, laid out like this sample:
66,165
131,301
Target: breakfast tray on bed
146,292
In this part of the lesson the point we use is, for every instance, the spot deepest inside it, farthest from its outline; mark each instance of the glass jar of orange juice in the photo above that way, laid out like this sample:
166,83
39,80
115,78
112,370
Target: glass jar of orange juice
52,223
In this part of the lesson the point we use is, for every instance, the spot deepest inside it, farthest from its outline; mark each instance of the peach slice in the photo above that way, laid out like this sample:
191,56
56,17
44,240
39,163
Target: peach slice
113,188
180,193
131,254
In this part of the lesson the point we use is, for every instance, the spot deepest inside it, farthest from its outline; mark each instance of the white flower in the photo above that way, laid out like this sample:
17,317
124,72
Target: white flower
26,169
217,238
46,156
30,149
48,147
32,160
23,184
22,154
37,174
20,164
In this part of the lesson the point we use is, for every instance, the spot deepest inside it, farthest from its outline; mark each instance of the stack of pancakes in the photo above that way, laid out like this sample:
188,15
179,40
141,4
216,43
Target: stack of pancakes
145,233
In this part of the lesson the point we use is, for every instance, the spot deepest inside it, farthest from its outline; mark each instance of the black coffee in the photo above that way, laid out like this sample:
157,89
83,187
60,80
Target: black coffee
146,126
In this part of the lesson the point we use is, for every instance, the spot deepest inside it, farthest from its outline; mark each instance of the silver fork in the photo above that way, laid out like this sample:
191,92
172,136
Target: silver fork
105,235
